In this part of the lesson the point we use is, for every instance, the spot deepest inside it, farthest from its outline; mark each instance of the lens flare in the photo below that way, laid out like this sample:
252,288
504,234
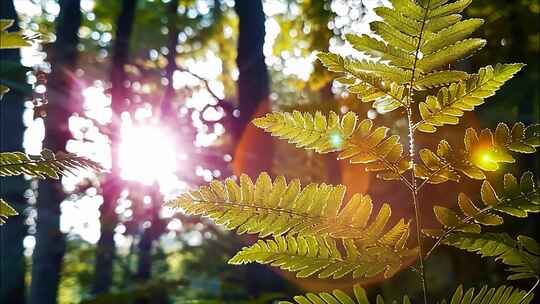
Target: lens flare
147,154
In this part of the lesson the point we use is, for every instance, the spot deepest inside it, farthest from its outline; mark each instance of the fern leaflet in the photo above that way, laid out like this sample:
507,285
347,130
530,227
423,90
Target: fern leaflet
310,255
6,211
278,208
48,164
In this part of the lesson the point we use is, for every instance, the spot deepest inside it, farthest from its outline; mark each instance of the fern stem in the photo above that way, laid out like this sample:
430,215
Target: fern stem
414,191
530,290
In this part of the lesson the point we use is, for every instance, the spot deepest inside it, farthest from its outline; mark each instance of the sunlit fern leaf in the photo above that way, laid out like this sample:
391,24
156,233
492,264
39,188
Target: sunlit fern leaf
500,295
393,36
339,297
277,208
439,79
6,211
522,255
358,142
11,40
371,81
314,255
48,164
3,90
516,199
450,35
378,49
314,132
484,152
452,101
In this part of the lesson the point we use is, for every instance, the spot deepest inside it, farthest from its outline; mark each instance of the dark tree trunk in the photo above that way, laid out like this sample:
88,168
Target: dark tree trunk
167,111
12,264
253,89
111,190
50,242
253,80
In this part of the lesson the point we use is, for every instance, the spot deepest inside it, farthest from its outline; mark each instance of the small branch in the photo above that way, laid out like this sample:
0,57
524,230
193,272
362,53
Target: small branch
431,175
203,80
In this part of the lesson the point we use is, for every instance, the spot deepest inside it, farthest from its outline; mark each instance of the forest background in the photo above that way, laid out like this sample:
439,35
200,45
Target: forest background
161,93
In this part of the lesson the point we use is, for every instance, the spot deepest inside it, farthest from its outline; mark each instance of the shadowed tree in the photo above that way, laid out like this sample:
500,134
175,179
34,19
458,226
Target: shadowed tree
253,80
50,241
12,265
111,189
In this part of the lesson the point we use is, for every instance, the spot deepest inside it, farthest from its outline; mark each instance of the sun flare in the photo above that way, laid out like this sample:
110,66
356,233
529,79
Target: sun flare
147,154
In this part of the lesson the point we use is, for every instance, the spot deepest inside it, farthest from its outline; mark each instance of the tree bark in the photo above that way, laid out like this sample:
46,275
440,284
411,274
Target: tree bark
167,111
50,241
12,262
253,80
106,250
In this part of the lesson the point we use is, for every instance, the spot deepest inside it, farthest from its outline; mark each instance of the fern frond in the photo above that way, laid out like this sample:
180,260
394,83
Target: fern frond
452,101
48,164
11,40
317,132
522,255
356,141
451,35
6,211
278,208
339,297
310,255
439,79
500,295
480,153
515,199
378,49
370,80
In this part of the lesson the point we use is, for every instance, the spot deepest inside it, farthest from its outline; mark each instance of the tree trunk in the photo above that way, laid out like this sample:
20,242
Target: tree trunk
253,80
112,187
167,111
12,263
50,242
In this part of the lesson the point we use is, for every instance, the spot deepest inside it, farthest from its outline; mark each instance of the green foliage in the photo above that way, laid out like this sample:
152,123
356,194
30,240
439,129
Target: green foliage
450,102
522,255
501,295
48,164
357,142
11,40
279,208
480,153
515,199
410,69
6,211
312,255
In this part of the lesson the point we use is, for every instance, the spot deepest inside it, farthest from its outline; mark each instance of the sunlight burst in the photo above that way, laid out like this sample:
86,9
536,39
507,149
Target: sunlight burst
147,154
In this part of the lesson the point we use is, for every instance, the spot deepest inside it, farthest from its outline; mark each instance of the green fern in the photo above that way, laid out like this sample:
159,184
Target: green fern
480,154
11,40
310,255
523,255
48,164
501,295
409,69
516,199
278,208
358,142
450,102
6,211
